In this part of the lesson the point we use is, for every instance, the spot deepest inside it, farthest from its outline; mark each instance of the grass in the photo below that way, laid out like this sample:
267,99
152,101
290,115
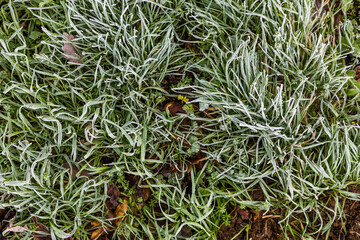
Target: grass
271,100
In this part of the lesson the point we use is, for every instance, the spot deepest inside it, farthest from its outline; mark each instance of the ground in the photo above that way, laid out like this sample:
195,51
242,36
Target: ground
179,119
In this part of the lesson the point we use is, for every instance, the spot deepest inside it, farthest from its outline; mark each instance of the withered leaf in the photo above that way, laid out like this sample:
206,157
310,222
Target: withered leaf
96,223
97,233
70,52
175,108
42,230
244,213
144,193
17,229
114,194
257,215
120,212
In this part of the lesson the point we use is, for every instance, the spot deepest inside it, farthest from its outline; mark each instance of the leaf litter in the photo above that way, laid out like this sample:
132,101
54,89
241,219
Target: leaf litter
70,51
42,232
116,212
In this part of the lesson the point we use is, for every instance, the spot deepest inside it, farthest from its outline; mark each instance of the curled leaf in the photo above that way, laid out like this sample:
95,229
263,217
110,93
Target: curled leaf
97,233
120,212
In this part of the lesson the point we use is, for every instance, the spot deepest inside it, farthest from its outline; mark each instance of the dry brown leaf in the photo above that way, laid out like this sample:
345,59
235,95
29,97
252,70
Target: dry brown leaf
70,52
17,229
96,223
257,215
114,194
244,214
144,193
337,19
175,108
41,229
99,233
120,212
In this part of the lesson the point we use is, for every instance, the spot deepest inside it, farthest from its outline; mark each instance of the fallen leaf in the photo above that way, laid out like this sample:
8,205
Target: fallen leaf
96,223
97,233
114,194
216,163
257,215
120,212
70,52
40,233
17,229
144,193
175,108
357,72
244,213
5,216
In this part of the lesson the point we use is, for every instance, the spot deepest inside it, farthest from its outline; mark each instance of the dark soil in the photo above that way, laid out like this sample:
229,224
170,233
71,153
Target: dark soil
265,227
347,228
259,227
5,216
171,80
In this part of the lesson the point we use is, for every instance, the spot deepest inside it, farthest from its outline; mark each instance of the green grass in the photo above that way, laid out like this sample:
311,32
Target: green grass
274,73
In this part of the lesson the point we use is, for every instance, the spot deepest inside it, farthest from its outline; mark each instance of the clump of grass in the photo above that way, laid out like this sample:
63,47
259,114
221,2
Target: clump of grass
274,75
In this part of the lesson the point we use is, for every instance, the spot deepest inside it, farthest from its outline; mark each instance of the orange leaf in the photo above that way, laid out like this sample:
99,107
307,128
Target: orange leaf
95,223
97,233
120,212
257,215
